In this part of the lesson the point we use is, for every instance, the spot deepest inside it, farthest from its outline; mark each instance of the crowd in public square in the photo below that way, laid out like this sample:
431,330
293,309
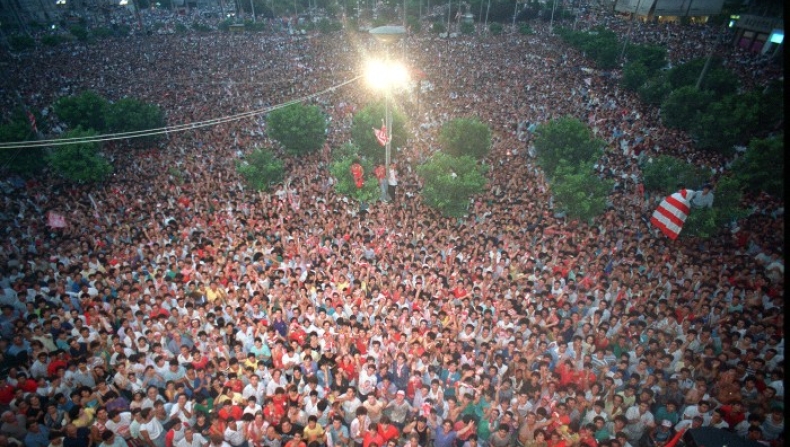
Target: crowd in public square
180,308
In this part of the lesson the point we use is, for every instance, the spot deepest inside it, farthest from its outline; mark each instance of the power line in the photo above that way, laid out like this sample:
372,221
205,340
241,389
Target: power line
166,130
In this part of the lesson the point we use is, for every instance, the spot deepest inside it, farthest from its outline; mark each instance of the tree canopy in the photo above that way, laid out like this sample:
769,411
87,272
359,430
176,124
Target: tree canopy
21,161
762,167
131,115
369,118
565,141
450,182
260,169
86,110
664,173
465,136
301,129
579,193
80,162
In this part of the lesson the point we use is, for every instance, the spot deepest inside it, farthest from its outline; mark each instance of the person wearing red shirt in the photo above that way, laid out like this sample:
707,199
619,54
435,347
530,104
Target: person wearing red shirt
386,430
372,438
6,392
734,413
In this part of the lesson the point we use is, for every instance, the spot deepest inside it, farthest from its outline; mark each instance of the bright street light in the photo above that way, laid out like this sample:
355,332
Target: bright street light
385,76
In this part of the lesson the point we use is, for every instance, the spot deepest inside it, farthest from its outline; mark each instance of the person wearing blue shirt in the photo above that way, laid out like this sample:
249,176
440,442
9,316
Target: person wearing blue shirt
37,435
446,436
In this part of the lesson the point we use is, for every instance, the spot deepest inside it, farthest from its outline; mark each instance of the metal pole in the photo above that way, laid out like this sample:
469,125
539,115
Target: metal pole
630,26
704,70
449,11
551,22
252,8
488,8
515,8
388,119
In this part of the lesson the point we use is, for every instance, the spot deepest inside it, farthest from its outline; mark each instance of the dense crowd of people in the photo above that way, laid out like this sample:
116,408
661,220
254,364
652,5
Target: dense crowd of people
180,308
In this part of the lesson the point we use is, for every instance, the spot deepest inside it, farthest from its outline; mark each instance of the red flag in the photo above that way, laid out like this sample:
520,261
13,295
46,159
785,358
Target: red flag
672,212
56,220
32,119
381,135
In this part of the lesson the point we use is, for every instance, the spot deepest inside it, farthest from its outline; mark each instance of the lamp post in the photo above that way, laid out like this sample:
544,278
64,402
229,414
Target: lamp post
386,35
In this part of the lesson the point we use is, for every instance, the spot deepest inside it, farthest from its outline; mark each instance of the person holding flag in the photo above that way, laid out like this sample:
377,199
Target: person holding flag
381,175
358,173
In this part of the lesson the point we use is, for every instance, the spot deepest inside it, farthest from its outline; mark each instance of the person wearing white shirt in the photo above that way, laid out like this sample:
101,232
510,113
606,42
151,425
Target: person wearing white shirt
234,433
183,410
191,439
151,430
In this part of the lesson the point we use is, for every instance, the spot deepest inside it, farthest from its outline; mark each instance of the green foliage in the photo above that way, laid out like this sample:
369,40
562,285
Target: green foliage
22,161
201,28
301,129
467,28
438,28
495,28
20,42
341,171
465,136
261,169
370,118
635,75
225,25
131,115
762,167
52,40
181,28
79,32
664,173
709,222
565,141
654,57
86,110
254,27
525,29
79,162
102,32
683,105
347,150
728,122
579,193
655,90
450,182
600,45
414,24
772,106
718,79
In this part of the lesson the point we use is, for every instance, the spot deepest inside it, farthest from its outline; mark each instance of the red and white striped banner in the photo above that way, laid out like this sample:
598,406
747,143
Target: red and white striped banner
672,212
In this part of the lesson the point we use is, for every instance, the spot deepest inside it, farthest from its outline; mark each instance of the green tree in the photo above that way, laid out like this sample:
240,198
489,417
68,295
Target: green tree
301,129
635,75
495,28
565,140
762,167
79,162
718,79
654,57
465,136
467,28
655,90
680,109
132,115
20,160
726,123
665,172
21,42
450,182
525,29
369,118
86,110
579,193
79,32
345,185
261,169
709,222
438,28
